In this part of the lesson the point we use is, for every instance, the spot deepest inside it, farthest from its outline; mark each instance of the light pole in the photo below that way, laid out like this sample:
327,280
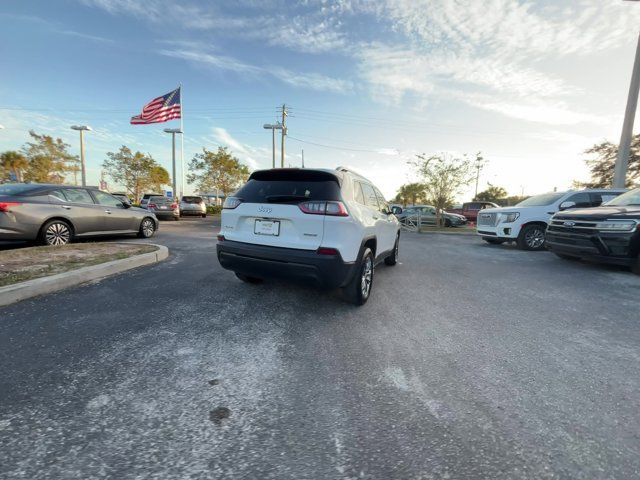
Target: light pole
479,165
82,129
622,161
273,127
173,132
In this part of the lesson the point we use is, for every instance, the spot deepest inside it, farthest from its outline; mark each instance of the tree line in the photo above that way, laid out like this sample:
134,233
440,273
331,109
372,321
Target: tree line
45,159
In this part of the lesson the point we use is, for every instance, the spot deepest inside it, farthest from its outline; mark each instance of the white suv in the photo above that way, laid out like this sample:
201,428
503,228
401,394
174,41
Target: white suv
327,226
526,223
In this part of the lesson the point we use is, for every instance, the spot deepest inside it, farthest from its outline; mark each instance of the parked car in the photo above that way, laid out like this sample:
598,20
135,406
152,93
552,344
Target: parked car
193,205
122,196
470,210
163,207
330,227
526,222
57,214
427,215
145,198
609,233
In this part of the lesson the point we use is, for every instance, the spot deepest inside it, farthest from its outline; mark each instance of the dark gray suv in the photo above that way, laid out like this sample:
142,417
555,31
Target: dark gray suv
56,214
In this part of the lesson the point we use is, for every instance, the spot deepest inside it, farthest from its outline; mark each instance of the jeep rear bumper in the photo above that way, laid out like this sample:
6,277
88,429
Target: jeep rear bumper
328,271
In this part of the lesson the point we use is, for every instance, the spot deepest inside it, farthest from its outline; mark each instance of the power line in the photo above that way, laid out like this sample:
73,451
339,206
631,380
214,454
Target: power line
333,146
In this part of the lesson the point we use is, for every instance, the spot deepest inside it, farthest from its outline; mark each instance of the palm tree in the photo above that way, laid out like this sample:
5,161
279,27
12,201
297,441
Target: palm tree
14,162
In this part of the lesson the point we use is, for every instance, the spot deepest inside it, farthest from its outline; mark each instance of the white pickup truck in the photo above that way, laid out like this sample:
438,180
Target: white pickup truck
526,223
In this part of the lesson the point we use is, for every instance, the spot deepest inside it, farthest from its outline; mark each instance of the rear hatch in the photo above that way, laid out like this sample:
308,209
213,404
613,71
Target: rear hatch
283,208
161,204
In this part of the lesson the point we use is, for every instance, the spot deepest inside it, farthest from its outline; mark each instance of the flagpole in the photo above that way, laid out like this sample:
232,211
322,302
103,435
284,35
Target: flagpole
181,142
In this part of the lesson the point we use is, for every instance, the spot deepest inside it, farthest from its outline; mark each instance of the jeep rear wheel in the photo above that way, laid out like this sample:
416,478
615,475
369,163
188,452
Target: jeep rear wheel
358,290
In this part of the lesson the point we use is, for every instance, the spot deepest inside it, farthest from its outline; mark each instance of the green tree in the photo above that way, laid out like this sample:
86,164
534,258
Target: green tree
410,193
12,162
217,170
136,172
443,177
602,164
493,193
49,159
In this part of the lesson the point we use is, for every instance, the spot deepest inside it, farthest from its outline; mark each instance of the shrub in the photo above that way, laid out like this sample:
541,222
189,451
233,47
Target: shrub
214,209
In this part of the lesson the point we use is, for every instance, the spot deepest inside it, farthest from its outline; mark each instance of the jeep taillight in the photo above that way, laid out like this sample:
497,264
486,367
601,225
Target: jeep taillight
336,209
231,202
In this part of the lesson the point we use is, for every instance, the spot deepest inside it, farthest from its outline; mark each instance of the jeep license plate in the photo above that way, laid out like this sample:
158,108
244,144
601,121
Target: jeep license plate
267,227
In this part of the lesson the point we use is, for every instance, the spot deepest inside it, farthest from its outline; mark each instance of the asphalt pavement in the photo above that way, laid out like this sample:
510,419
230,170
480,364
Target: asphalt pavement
469,361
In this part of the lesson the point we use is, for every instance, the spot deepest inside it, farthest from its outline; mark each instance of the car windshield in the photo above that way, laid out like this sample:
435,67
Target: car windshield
16,188
289,187
160,200
626,199
192,199
541,200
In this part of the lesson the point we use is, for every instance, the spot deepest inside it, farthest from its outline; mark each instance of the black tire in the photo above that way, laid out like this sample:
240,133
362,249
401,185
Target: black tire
175,219
359,288
247,278
532,237
147,228
635,266
55,233
392,259
447,223
204,215
494,241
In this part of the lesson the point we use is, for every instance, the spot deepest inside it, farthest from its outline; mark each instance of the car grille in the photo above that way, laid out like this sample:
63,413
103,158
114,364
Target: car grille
488,219
571,226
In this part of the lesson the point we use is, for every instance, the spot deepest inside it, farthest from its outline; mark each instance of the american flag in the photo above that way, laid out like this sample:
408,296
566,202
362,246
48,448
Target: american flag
161,109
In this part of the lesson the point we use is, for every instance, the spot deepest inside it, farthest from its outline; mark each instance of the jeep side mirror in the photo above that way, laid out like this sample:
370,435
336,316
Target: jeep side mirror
566,205
396,210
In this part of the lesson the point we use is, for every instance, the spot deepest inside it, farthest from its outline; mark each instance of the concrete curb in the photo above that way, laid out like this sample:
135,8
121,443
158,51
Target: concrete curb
41,286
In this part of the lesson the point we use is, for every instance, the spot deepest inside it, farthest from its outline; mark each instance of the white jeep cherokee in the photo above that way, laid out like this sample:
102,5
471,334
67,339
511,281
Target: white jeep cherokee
327,226
526,223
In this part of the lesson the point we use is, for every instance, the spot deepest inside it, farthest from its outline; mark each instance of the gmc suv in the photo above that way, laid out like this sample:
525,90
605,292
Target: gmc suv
330,227
609,233
526,222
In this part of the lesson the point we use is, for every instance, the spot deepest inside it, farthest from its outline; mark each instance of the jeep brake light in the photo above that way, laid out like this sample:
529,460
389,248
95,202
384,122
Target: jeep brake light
174,206
231,202
5,206
327,251
336,209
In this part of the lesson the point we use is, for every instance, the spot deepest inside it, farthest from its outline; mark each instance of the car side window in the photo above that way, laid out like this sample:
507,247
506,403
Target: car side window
357,193
78,195
106,199
600,198
581,199
369,196
384,206
58,194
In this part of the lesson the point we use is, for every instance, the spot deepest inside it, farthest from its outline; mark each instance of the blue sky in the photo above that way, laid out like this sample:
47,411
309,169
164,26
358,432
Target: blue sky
369,84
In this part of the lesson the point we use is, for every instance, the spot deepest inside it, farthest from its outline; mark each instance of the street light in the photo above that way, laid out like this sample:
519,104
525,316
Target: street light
173,132
82,129
273,128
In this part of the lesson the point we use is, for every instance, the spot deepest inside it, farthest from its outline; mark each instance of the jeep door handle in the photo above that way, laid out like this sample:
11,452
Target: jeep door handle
108,211
66,207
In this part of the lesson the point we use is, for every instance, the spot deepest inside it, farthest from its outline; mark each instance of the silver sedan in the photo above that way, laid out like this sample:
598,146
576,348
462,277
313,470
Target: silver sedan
56,214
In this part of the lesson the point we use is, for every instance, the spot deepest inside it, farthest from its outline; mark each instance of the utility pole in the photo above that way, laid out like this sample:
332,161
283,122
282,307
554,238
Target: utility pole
284,133
82,129
479,165
620,172
303,158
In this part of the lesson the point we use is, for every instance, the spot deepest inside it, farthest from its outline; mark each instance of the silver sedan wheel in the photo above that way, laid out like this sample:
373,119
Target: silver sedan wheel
147,228
57,233
534,238
367,277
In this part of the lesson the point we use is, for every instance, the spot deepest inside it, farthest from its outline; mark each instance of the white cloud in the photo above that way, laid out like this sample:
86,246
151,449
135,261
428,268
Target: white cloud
313,81
253,157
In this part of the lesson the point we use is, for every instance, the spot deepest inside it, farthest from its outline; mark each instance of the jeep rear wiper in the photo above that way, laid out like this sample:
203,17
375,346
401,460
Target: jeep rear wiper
284,198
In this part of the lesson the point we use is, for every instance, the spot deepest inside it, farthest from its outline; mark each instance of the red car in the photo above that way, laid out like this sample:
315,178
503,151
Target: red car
470,209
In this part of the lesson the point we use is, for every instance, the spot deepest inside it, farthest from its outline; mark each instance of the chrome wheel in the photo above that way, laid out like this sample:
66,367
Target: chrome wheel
367,277
534,238
147,227
57,233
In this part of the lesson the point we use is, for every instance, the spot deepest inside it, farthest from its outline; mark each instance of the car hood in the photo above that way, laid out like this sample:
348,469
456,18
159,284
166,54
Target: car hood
504,210
456,215
600,213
